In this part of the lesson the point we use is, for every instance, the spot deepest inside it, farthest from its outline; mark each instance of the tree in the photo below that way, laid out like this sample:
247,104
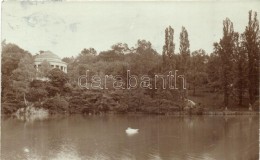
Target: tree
144,59
240,78
56,104
225,50
57,79
86,56
37,91
52,90
168,49
143,47
23,75
44,69
214,71
121,48
68,59
37,94
11,55
252,45
57,84
90,51
110,56
197,74
184,50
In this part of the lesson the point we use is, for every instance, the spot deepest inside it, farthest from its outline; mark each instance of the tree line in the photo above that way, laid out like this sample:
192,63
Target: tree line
231,70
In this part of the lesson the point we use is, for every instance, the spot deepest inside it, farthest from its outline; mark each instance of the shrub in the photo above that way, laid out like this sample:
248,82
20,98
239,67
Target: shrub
11,107
56,105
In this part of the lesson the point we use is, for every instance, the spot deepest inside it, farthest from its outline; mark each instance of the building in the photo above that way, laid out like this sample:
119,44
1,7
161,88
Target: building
54,60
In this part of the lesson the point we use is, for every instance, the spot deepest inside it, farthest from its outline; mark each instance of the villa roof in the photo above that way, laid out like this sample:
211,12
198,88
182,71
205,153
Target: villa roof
47,55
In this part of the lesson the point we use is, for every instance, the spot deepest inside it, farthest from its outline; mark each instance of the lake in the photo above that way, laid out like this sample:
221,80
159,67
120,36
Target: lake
104,138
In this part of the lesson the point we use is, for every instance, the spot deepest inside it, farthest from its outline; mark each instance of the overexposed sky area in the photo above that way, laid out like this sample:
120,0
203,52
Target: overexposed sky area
65,28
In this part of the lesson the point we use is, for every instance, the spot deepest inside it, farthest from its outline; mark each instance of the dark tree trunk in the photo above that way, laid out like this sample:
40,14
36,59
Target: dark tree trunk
226,94
194,90
240,83
240,96
226,97
253,81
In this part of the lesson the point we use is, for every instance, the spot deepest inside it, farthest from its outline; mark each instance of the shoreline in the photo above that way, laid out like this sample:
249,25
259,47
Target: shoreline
176,113
204,113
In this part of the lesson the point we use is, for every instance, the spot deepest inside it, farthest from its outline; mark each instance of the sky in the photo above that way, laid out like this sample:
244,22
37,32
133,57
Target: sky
66,27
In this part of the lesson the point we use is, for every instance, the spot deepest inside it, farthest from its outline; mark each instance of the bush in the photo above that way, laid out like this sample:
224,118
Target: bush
10,104
77,104
37,94
11,107
52,91
56,105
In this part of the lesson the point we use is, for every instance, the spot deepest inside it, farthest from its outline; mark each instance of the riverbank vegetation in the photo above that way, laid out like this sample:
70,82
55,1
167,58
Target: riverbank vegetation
226,79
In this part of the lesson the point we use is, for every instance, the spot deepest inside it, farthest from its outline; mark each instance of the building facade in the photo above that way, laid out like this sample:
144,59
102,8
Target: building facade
54,60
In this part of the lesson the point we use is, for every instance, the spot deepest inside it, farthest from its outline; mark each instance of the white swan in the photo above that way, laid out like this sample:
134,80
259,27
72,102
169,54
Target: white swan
131,131
26,150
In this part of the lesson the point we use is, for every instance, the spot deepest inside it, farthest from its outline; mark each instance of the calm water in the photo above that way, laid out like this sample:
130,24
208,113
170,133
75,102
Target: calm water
159,137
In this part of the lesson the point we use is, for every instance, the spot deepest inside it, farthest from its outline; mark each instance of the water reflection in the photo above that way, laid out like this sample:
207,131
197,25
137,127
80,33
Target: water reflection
159,137
31,114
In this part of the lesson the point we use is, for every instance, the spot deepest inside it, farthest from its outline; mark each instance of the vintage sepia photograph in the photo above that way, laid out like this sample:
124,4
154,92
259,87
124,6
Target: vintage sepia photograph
130,80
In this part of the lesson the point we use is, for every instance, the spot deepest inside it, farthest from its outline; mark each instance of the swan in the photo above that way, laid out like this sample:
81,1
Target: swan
26,150
131,131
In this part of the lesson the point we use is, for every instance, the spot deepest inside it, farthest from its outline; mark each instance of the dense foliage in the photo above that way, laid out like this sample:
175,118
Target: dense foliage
232,70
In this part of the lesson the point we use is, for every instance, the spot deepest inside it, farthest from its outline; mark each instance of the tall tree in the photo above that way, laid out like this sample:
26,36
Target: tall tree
252,45
225,50
240,68
184,50
11,55
214,71
168,49
23,75
197,74
144,53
